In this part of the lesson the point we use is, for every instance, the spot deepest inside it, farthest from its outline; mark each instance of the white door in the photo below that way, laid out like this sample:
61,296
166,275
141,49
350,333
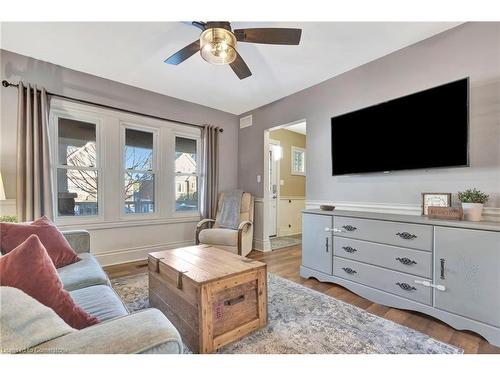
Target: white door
273,192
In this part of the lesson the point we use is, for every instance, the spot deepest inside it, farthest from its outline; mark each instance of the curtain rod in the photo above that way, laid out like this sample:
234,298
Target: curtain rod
5,83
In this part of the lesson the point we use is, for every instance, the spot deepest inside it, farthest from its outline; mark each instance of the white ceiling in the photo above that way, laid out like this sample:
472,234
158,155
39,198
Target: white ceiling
133,53
297,128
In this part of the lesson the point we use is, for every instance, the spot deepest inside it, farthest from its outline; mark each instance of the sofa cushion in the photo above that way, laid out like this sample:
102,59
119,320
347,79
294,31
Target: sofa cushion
86,272
100,301
147,331
219,236
58,248
28,267
26,322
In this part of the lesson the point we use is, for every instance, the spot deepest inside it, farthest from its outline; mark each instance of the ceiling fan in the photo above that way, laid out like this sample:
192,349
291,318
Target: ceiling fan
217,44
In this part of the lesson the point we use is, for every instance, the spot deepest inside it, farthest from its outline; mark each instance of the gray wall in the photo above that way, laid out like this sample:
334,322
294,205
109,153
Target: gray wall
472,49
57,79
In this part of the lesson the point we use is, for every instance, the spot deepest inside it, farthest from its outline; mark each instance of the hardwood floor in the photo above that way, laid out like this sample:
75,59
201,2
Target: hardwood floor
286,262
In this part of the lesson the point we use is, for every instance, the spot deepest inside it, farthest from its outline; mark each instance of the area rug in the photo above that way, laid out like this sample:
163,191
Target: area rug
302,320
286,241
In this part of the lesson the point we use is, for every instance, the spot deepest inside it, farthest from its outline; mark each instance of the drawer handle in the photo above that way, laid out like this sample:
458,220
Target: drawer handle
349,249
349,228
406,261
406,286
234,301
348,270
442,268
326,244
406,235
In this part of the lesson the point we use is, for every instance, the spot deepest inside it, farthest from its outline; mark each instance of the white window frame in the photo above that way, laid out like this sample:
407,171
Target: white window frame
110,166
124,125
197,138
294,172
76,115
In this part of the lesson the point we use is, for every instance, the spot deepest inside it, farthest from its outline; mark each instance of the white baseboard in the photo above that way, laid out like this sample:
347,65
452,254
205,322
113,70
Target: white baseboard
286,234
133,254
489,213
261,245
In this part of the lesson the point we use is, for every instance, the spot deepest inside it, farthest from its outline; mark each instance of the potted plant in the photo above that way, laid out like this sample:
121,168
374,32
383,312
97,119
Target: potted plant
473,201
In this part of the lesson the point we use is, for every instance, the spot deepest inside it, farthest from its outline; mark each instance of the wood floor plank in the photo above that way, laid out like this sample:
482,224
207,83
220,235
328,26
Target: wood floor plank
286,263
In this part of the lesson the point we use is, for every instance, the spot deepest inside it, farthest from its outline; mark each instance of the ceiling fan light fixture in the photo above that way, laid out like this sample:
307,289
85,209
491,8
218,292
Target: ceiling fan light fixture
218,46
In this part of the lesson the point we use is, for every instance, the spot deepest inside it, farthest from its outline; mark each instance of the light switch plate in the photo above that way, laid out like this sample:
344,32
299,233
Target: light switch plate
282,182
258,178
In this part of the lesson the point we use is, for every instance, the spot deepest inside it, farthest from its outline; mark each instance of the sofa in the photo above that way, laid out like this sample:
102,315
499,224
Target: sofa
118,330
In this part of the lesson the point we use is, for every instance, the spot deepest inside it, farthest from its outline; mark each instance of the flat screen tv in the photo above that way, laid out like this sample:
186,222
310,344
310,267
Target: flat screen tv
428,129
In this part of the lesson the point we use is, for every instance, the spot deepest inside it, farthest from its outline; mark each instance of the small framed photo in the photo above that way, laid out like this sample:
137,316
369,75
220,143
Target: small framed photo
435,199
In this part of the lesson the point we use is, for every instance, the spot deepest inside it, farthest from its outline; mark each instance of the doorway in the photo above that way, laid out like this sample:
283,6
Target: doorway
285,184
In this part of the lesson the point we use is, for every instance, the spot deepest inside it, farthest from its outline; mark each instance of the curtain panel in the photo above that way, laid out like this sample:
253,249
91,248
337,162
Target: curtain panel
34,185
210,191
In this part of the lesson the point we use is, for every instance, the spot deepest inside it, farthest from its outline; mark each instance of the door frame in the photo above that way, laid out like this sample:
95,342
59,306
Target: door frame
274,142
266,244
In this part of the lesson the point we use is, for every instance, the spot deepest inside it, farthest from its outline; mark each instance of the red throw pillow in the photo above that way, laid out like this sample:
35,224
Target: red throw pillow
28,267
58,248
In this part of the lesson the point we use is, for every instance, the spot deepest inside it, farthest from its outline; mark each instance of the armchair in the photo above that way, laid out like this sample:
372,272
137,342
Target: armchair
238,241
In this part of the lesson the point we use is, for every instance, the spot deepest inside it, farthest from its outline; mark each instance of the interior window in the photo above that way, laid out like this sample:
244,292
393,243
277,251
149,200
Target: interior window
298,161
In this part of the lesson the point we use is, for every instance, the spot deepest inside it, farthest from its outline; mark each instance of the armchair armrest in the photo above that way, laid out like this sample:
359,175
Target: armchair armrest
204,222
199,228
243,227
79,240
147,331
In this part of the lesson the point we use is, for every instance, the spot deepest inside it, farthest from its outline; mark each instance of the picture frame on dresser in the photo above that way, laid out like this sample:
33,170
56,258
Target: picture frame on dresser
435,199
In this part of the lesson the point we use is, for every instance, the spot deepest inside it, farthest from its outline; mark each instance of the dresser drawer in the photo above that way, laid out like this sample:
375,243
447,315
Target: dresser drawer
397,258
415,236
389,281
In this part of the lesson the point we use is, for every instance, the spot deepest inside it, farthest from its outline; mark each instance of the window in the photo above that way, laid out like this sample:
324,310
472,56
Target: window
77,175
298,161
186,175
139,174
112,167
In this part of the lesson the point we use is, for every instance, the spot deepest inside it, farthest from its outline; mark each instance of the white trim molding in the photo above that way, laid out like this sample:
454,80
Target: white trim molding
260,241
489,213
261,244
133,254
128,223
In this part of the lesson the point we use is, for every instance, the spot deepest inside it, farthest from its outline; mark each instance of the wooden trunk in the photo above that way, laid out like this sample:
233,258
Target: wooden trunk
211,296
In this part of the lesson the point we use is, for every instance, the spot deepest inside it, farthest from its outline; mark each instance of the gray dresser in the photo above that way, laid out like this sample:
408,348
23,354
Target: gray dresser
447,269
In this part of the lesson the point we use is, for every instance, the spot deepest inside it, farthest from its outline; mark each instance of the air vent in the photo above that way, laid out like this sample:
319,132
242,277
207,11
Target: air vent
246,121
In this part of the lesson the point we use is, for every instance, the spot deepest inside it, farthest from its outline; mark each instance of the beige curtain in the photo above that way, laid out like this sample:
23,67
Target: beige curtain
34,185
210,191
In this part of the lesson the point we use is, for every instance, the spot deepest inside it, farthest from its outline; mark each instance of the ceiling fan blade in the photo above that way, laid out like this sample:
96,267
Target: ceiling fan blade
240,68
269,35
184,53
200,25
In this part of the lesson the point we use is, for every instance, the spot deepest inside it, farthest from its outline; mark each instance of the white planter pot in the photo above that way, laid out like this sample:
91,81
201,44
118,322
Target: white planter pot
472,211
